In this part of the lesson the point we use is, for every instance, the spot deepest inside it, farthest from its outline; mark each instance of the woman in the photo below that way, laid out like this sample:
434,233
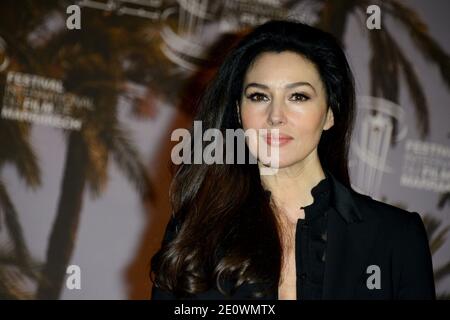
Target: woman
302,232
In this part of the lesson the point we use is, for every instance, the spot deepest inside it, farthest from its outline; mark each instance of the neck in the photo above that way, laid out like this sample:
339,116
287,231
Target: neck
291,187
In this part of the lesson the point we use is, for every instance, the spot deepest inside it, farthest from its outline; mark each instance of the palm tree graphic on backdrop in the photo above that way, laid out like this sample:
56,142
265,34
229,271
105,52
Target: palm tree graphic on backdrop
99,60
86,61
16,264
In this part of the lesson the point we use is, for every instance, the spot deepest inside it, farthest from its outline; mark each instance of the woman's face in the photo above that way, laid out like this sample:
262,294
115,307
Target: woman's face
284,91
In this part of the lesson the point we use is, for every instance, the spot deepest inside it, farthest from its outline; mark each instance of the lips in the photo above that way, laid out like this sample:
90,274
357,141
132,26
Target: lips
281,140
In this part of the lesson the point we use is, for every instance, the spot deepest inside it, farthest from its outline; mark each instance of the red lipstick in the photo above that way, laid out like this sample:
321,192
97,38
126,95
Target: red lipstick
281,140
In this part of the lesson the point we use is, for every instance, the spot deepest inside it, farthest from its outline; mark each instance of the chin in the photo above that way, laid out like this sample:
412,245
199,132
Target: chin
284,163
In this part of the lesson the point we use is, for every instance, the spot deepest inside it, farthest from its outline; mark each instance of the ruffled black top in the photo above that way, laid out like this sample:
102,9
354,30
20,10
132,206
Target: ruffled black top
311,242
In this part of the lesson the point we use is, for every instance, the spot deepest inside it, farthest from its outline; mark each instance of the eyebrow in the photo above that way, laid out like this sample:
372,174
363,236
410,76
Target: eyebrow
288,86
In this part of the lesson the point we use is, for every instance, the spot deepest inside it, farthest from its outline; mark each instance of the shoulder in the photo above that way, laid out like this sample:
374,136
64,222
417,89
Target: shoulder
390,216
400,235
395,227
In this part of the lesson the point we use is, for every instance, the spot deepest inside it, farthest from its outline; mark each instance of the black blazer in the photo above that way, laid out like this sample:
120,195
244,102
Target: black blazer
362,232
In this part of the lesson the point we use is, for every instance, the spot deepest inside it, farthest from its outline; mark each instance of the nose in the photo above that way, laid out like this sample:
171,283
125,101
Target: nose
276,116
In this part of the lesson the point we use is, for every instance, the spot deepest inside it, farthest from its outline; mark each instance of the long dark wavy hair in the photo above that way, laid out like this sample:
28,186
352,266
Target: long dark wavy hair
229,232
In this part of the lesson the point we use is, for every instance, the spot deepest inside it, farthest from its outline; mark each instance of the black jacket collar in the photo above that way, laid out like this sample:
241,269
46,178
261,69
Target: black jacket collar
343,200
350,239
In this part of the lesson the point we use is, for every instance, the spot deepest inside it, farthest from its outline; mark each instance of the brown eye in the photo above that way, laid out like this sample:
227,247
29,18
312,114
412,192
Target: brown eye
300,97
257,97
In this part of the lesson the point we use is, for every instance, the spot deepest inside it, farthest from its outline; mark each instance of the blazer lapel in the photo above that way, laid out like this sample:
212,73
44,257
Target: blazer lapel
350,239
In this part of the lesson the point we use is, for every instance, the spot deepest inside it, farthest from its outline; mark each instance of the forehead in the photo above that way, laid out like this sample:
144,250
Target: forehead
273,68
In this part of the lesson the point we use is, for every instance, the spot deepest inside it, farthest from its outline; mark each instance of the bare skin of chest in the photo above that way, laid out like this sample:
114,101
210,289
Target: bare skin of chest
287,287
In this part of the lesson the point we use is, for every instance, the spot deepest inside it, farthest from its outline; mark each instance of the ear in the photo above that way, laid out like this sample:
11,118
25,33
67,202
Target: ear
329,122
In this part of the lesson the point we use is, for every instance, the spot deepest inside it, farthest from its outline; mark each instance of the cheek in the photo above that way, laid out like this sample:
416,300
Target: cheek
252,121
307,123
252,118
